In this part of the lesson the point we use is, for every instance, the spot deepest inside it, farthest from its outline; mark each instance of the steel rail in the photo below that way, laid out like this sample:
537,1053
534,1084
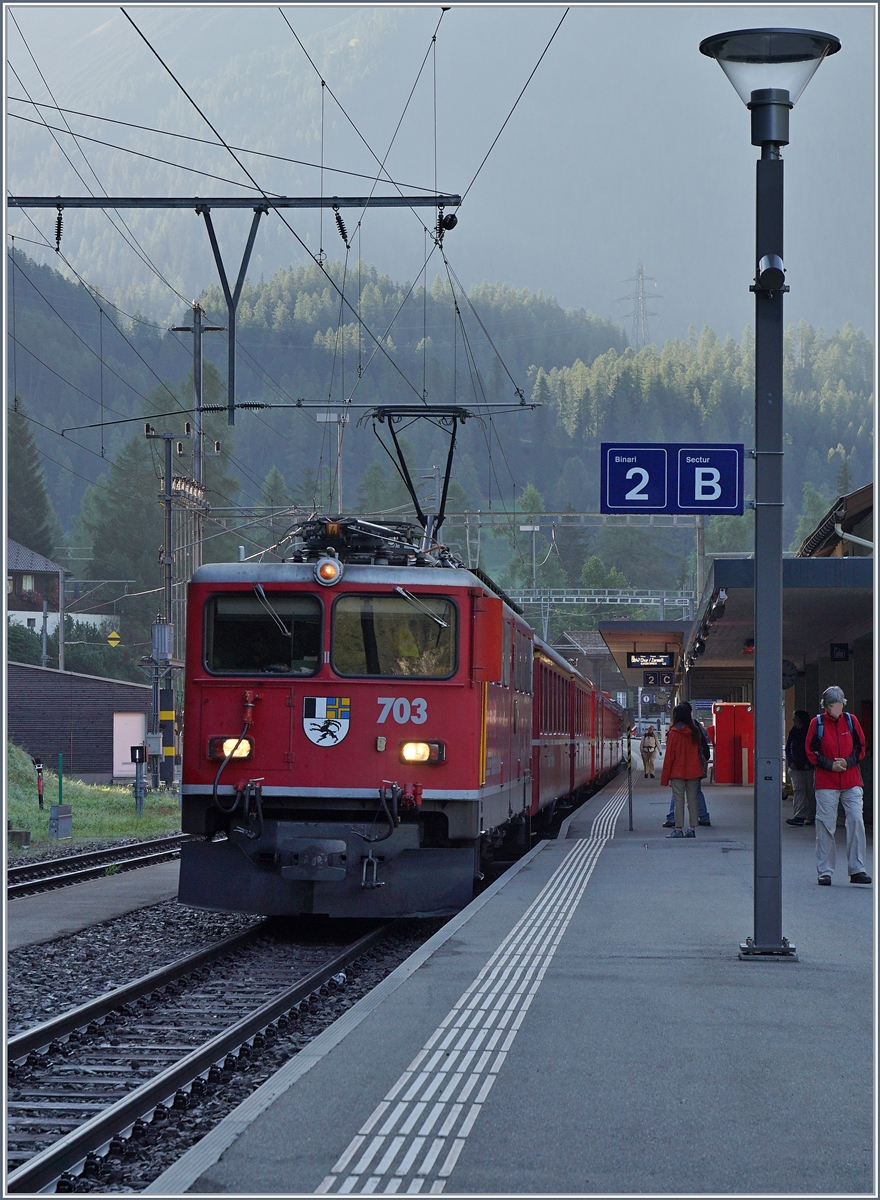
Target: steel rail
44,1168
35,875
38,1036
97,855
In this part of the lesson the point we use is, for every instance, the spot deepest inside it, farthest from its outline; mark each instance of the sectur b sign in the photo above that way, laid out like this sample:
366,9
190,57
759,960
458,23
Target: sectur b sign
669,477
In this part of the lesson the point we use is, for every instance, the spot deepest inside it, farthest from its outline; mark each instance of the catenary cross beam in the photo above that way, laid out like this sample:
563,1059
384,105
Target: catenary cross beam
259,207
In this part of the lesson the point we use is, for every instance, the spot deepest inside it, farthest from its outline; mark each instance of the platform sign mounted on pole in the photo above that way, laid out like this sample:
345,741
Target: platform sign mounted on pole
672,478
658,679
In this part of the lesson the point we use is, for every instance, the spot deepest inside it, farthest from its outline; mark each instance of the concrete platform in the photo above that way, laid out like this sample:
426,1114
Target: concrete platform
586,1027
48,915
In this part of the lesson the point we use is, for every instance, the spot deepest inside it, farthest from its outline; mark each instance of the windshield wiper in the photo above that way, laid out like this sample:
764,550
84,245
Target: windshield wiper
261,596
423,607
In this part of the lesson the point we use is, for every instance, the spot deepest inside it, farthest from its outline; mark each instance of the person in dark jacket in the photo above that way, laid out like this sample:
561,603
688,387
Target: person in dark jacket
683,768
836,753
800,771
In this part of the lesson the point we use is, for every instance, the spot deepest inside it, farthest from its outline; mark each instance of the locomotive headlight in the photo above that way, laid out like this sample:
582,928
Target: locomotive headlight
328,571
230,747
423,752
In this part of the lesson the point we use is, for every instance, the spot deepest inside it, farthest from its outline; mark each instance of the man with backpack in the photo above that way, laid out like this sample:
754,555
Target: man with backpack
835,746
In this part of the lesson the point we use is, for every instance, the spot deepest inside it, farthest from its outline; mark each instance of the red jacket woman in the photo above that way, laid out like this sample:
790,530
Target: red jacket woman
682,759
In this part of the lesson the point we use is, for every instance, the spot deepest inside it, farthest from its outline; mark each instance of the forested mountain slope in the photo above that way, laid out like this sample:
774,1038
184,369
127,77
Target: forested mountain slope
76,361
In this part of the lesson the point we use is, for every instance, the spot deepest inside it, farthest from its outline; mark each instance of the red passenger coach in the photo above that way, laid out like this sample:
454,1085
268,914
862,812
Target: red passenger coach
577,731
359,723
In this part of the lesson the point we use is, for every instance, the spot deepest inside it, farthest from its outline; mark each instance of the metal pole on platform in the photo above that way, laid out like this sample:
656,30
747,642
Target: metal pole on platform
771,57
629,776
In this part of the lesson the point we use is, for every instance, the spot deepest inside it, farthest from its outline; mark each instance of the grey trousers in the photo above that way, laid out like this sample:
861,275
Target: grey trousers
802,783
681,789
826,823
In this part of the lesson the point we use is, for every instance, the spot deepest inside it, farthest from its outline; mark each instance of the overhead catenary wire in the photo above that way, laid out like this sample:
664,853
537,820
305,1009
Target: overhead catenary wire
165,162
343,299
281,216
515,103
297,162
341,107
130,238
94,294
90,286
216,133
181,408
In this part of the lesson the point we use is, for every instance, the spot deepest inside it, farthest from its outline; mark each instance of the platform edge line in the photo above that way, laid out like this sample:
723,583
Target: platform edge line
180,1176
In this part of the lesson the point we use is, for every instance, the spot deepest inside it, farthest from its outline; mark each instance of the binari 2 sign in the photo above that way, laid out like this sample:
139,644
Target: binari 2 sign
652,477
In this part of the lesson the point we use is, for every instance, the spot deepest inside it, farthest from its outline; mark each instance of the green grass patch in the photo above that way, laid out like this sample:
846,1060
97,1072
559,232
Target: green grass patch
99,813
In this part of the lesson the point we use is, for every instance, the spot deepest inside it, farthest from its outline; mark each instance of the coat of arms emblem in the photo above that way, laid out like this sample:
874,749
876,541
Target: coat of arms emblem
326,719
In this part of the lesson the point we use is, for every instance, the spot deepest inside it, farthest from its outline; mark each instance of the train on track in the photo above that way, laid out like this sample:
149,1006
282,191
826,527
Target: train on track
367,724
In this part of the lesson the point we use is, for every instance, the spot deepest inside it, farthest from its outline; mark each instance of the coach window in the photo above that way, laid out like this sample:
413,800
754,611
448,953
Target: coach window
273,634
507,628
411,636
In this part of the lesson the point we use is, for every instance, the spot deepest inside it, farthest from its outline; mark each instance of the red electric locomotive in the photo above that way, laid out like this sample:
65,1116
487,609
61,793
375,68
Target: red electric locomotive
360,720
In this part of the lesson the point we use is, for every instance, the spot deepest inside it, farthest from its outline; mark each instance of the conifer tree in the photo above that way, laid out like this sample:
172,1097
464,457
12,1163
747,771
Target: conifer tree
122,521
31,519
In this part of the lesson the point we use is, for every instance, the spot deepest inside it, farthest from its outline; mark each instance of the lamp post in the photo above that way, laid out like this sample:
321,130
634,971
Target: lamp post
769,68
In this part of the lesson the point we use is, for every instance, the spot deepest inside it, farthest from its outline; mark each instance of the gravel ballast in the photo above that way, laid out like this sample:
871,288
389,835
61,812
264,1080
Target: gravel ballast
45,980
48,979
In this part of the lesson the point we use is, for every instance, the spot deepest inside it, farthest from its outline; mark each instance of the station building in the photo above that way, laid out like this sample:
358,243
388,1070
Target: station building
827,625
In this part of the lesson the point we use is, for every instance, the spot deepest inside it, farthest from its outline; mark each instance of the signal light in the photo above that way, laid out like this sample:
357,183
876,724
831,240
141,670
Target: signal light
423,752
328,571
230,747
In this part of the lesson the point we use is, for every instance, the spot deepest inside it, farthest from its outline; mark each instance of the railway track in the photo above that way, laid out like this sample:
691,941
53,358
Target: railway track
82,1082
29,878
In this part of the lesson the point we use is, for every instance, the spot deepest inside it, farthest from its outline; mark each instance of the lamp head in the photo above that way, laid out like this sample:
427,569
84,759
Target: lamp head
778,59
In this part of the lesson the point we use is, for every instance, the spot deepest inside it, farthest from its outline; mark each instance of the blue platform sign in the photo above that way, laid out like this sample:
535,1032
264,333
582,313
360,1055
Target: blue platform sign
672,478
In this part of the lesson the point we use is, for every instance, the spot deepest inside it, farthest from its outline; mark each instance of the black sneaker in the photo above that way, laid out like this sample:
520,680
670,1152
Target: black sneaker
810,821
825,881
668,824
704,821
795,820
860,877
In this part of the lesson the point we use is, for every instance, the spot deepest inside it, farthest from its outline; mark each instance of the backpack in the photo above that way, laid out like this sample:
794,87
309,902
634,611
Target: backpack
820,733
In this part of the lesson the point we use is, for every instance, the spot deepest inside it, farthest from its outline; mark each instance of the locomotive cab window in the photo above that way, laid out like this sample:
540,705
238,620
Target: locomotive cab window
272,634
399,636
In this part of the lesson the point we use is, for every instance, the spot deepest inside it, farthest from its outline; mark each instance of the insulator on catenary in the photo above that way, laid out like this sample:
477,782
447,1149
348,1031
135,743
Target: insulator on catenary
340,225
59,225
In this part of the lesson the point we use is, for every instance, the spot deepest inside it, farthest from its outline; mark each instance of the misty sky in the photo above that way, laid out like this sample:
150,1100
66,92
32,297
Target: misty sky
628,146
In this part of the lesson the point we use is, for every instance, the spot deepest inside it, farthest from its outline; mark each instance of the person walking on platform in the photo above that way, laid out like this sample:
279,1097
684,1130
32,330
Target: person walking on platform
800,771
683,768
835,745
702,808
648,747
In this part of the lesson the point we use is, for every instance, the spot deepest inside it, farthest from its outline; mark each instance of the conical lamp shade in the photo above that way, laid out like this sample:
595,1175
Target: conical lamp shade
785,59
